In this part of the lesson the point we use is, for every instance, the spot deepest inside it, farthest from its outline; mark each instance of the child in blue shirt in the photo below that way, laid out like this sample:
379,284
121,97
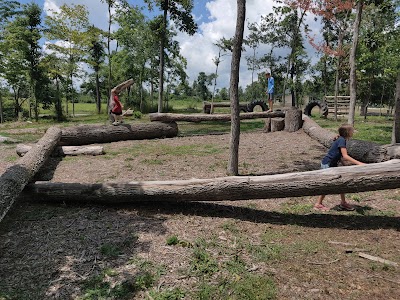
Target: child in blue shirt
270,90
336,153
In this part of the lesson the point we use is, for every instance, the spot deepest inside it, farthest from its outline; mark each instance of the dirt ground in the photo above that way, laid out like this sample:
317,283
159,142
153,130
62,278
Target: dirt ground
59,250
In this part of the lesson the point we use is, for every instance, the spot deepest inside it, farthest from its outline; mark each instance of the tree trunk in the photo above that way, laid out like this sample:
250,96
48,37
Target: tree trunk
95,134
15,178
396,125
65,150
352,61
352,179
267,125
161,74
1,109
293,119
233,162
98,96
364,151
170,117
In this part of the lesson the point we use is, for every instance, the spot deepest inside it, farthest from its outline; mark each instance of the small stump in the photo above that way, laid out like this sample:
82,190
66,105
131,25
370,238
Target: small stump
267,126
293,119
277,124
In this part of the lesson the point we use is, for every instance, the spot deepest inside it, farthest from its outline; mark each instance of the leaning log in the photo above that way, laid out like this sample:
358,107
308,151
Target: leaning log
16,177
350,179
22,149
97,134
364,151
168,117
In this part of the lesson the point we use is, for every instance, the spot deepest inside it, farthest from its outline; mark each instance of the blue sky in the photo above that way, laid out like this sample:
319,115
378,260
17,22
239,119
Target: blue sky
216,19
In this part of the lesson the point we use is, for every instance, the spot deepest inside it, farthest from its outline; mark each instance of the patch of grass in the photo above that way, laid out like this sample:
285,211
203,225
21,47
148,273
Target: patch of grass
245,287
153,161
266,252
297,208
11,158
230,226
170,294
110,250
172,240
202,263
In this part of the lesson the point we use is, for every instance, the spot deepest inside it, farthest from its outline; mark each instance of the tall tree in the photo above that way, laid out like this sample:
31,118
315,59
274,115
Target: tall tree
179,12
7,10
69,26
352,61
233,163
396,125
95,59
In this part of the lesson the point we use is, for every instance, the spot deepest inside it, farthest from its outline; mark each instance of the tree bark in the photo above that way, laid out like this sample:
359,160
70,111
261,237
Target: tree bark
277,124
396,125
352,179
267,126
65,150
170,117
15,178
352,61
293,119
233,162
96,134
364,151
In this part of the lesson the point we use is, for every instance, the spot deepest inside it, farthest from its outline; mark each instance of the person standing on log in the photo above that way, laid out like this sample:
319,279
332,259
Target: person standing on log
270,90
116,110
338,152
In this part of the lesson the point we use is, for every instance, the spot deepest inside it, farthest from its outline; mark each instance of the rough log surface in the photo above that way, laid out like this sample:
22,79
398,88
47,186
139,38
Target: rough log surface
96,134
15,178
267,126
350,179
293,119
277,124
169,117
22,149
123,85
364,151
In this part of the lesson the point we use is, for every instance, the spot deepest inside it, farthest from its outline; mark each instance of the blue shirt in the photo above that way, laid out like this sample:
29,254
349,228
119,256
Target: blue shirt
271,85
334,153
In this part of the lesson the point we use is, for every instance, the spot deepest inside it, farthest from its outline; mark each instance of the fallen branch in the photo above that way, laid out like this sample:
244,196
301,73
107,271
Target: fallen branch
377,259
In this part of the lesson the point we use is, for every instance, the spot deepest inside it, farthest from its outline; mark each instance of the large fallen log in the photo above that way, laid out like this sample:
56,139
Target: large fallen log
22,149
168,117
350,179
364,151
16,177
97,134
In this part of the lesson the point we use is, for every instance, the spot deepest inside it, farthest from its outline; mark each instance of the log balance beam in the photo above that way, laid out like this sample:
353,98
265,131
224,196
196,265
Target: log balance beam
170,117
351,179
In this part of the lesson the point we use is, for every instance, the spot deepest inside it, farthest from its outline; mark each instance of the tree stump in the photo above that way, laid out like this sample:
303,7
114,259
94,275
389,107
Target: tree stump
277,124
293,119
267,126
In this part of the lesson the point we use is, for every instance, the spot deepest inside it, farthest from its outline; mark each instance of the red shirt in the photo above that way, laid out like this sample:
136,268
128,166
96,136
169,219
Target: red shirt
117,105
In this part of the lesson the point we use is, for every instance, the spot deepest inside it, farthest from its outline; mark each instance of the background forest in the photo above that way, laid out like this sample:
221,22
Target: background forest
50,61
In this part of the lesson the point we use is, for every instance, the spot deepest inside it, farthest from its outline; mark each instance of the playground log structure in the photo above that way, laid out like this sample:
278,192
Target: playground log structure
383,174
350,179
170,117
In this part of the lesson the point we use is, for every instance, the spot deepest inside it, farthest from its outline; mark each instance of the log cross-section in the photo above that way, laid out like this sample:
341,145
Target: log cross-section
16,177
350,179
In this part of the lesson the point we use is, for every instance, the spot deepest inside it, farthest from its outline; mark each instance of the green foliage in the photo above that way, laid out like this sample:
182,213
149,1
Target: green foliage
172,240
110,250
170,294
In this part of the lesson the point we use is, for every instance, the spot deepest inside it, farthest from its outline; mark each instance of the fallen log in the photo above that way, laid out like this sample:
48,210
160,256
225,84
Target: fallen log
120,87
379,176
22,149
16,177
97,134
364,151
169,117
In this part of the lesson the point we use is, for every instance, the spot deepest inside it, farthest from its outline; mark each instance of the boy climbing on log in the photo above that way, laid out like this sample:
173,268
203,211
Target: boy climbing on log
116,110
338,152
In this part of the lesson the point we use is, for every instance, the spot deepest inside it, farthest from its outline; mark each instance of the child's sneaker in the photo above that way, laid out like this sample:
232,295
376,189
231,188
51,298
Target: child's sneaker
115,123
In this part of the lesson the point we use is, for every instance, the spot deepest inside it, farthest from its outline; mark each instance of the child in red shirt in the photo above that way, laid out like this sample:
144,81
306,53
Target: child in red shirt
116,110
